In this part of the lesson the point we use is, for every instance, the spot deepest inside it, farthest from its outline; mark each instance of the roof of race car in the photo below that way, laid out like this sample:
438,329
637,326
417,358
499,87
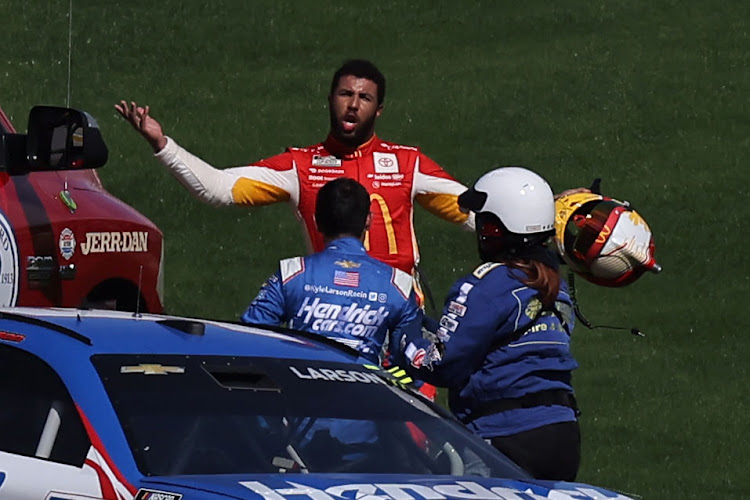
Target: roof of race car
87,332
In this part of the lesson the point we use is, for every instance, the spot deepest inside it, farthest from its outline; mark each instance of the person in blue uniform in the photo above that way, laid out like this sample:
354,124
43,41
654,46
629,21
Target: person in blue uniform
502,344
344,294
341,292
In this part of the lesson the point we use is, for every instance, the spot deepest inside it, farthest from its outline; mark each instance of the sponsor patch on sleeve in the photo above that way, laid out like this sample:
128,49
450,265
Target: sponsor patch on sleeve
456,308
465,289
448,323
443,335
404,282
291,268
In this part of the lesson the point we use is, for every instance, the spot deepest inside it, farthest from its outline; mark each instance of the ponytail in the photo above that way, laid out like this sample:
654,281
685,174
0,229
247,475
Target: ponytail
541,277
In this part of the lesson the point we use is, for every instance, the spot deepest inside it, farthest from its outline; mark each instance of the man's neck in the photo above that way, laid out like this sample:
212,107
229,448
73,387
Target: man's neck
342,149
328,239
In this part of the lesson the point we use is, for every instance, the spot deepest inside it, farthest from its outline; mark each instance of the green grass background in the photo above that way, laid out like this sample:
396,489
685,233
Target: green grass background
652,96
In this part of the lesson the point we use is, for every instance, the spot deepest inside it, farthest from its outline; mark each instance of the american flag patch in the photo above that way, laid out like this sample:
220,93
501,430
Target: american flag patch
346,278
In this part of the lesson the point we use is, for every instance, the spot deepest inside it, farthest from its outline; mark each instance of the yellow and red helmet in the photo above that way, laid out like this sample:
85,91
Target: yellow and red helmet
603,240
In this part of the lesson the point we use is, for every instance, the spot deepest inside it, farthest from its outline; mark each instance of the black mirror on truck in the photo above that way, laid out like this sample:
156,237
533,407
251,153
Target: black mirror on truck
63,139
57,139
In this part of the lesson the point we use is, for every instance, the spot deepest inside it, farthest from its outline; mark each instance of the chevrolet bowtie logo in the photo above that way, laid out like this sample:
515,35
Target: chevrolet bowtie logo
347,264
151,369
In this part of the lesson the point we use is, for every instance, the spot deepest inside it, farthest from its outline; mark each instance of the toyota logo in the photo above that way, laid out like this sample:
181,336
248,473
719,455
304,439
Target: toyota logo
385,162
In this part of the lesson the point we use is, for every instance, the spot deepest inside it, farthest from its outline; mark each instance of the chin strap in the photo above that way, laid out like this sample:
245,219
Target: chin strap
572,288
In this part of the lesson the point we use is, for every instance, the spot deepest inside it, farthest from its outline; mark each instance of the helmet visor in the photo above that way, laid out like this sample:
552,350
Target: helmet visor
589,227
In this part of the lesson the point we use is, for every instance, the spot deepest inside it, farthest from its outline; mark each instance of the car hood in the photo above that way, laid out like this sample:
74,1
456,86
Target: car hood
369,487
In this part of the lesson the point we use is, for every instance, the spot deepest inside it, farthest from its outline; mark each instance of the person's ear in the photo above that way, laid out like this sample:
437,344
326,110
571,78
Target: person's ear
368,221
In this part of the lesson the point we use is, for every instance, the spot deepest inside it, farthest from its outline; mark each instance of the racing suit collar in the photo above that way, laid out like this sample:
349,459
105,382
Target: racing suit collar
347,244
341,150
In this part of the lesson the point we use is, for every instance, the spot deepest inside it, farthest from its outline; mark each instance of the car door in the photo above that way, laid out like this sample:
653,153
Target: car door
43,442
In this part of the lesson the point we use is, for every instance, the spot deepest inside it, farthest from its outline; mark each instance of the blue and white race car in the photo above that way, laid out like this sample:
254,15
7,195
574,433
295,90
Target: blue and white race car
109,405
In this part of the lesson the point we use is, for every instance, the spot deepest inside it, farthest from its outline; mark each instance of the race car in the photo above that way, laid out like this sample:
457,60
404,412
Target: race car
101,404
65,240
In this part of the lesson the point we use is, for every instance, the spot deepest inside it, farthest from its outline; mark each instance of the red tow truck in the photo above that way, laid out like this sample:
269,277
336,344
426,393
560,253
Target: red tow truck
64,239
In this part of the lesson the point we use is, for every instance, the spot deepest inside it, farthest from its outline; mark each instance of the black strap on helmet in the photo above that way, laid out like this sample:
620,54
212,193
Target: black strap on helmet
584,320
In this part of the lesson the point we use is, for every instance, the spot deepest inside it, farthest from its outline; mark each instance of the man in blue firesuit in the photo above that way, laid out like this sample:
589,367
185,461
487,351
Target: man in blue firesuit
341,292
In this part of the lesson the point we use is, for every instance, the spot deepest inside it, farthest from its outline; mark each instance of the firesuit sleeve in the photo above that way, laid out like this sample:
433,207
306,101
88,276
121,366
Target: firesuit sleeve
473,317
268,307
438,192
408,325
269,181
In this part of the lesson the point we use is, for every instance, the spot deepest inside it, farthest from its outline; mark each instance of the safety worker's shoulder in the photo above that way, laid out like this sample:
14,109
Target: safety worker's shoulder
289,268
484,269
403,281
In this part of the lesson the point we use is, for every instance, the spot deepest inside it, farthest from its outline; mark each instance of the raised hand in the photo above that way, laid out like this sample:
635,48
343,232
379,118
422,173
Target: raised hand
147,126
568,192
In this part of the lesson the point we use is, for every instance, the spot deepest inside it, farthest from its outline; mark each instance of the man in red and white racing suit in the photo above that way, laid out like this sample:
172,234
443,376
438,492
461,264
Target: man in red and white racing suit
394,175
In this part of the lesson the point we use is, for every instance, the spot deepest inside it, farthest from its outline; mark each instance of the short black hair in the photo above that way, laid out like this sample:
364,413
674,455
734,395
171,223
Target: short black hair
342,207
361,68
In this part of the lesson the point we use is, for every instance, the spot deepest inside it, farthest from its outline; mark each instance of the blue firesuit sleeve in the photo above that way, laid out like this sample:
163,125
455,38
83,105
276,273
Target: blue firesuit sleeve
471,322
407,326
269,306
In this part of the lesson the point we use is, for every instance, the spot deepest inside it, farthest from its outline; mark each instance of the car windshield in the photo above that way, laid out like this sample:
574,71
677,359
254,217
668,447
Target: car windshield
221,415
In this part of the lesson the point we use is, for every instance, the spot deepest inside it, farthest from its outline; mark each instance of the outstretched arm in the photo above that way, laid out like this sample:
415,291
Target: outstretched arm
463,337
568,192
144,123
271,181
438,192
